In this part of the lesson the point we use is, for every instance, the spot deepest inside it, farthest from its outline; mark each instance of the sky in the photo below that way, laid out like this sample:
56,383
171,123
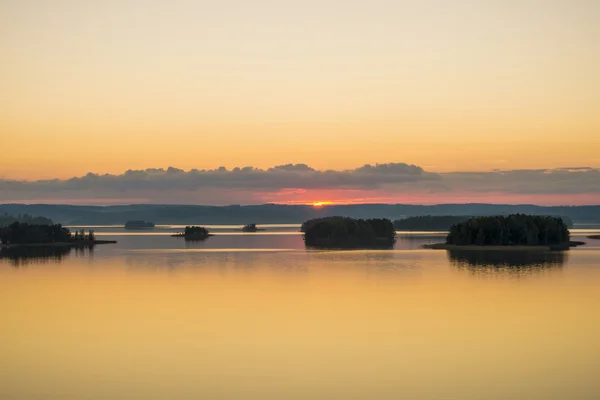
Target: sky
481,97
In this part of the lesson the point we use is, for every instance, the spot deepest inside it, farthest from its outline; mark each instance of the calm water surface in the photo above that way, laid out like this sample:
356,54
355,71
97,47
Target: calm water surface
258,316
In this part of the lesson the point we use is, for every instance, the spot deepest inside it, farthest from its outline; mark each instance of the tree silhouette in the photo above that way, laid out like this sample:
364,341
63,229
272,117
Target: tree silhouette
23,233
341,232
512,230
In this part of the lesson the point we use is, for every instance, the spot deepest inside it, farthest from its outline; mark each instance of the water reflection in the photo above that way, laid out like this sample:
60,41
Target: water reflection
390,263
23,256
20,256
224,260
514,263
276,261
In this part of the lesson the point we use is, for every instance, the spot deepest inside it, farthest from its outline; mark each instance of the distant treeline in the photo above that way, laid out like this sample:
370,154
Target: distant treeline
278,213
24,233
429,222
343,232
440,222
6,219
138,225
512,230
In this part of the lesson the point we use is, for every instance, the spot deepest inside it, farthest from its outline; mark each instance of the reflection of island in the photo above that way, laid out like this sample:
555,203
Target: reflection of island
194,233
251,228
349,233
509,262
29,255
138,225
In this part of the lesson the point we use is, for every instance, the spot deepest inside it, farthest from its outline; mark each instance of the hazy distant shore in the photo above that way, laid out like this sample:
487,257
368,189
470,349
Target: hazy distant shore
279,213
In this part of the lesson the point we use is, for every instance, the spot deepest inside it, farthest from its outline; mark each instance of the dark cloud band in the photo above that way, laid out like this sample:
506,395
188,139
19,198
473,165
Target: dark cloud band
391,177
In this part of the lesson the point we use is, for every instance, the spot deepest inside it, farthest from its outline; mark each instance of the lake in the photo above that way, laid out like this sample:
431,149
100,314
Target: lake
256,315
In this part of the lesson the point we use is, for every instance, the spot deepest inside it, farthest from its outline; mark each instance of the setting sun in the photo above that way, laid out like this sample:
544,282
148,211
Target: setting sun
321,203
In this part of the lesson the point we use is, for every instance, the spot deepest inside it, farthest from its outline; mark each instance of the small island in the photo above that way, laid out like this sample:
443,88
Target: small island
593,237
251,228
193,233
349,233
512,232
20,234
139,225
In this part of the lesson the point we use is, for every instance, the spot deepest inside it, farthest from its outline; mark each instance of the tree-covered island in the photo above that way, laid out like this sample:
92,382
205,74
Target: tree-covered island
517,231
194,233
349,233
24,234
252,228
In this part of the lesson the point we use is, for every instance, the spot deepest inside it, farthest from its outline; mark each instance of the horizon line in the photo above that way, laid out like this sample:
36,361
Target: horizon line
307,204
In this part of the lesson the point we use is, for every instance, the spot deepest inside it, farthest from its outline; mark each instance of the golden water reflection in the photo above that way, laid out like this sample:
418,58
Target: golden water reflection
295,324
513,263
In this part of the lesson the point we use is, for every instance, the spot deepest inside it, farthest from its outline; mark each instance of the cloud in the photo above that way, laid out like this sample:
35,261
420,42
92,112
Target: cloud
248,184
292,167
279,177
541,181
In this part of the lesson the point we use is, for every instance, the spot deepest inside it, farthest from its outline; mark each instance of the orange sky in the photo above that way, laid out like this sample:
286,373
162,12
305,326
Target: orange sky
467,85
